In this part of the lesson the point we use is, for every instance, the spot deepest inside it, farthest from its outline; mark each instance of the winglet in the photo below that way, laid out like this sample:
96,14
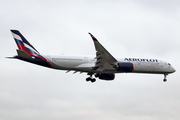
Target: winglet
93,37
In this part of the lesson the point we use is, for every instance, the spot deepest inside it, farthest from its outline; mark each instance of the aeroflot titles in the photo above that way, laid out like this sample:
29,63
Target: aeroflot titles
140,60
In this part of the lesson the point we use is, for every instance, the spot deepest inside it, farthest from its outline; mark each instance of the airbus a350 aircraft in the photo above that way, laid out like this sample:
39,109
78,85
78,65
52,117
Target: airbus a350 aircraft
103,65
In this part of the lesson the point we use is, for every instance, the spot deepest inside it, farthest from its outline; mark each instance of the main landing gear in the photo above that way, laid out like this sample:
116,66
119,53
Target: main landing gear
90,78
165,77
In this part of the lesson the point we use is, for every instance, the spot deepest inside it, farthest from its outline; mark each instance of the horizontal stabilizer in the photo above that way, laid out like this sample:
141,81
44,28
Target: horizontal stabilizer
23,54
11,57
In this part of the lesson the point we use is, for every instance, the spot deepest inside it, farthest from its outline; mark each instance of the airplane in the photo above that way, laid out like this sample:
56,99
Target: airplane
103,65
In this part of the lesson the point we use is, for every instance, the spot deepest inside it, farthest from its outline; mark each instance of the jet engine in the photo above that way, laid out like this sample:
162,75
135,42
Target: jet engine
125,67
105,76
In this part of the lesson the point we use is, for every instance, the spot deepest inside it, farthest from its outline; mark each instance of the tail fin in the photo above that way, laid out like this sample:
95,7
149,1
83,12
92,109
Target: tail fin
23,44
27,52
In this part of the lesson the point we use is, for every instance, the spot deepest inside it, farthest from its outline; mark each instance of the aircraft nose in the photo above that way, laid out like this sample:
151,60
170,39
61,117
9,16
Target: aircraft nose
173,70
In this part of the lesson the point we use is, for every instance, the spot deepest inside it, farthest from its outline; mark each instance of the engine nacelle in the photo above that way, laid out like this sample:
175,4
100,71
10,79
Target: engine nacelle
105,76
125,67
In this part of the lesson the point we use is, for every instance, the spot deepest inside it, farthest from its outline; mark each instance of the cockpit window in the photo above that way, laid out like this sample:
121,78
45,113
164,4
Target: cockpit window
169,64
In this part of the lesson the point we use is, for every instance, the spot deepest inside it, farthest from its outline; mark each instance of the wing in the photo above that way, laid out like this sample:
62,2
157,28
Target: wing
104,60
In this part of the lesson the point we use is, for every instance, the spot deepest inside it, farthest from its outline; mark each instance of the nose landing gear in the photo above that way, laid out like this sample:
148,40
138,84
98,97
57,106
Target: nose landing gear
165,77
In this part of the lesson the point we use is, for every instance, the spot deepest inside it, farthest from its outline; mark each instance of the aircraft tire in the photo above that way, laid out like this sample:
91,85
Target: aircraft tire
88,79
93,80
164,80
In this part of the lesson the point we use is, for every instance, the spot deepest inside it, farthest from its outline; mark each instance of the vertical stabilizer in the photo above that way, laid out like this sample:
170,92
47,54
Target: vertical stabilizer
23,44
27,52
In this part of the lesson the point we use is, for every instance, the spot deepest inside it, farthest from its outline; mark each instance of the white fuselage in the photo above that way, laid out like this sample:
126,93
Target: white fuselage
85,64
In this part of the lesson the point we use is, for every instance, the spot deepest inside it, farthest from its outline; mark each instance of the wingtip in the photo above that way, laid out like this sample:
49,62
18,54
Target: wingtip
89,33
93,37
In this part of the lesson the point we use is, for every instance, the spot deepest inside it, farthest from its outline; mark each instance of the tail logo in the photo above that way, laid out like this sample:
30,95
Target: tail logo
23,44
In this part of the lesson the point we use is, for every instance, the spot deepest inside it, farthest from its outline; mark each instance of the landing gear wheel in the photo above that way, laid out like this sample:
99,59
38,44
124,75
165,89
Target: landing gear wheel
93,80
164,80
88,79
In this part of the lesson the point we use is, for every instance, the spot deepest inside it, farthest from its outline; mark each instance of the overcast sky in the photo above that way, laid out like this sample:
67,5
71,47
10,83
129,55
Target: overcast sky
126,28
